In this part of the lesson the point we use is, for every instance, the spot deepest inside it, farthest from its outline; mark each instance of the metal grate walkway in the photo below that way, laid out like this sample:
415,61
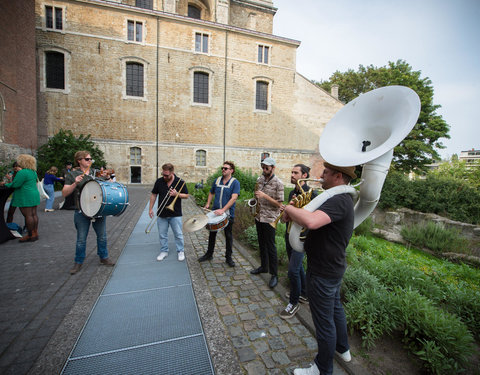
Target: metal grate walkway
146,319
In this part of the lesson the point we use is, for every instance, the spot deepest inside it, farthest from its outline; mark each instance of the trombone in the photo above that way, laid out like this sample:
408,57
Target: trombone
163,205
300,200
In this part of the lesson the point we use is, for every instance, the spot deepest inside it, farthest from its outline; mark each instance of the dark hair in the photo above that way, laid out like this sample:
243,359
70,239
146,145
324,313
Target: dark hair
167,167
15,164
231,165
304,169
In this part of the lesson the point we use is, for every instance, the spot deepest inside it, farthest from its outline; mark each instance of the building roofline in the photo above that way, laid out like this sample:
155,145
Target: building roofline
161,14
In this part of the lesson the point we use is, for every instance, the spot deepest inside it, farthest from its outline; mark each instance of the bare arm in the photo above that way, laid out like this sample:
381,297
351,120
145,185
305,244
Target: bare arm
307,219
153,198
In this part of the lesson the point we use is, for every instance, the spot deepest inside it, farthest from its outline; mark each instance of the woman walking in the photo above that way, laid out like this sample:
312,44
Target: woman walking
49,186
26,196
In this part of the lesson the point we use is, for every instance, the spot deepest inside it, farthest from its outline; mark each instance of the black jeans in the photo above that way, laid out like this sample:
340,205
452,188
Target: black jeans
228,240
268,250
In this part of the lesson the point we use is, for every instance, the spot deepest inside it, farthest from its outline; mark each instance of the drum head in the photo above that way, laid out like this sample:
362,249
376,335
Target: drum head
214,219
91,198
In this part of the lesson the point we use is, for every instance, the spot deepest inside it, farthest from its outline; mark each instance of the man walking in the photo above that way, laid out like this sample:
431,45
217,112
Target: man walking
170,188
330,228
225,190
269,195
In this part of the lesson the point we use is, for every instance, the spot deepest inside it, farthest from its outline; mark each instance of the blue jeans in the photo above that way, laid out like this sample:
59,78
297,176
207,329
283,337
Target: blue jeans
296,274
49,189
329,320
176,224
82,224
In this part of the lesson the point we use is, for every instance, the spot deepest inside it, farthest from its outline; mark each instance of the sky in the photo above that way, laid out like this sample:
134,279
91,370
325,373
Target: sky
439,38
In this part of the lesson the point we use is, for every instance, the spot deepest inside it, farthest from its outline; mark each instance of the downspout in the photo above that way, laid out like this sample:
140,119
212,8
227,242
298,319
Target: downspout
156,103
225,98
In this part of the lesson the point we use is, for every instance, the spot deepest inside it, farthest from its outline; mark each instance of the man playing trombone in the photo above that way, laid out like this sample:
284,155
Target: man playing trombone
169,210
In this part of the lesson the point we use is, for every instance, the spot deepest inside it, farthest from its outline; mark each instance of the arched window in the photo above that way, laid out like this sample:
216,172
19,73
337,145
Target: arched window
201,158
55,70
134,79
194,12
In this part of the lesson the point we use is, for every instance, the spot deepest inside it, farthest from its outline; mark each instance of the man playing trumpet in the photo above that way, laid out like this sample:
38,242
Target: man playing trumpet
170,188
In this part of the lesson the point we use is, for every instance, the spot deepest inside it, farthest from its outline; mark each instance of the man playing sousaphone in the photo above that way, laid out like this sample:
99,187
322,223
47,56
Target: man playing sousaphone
74,182
171,187
225,189
330,229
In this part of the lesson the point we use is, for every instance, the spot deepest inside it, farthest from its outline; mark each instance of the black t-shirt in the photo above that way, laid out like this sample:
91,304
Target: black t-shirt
162,189
325,246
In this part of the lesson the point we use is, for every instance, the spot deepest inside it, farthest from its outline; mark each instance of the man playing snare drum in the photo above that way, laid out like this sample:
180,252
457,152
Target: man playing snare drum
225,189
74,182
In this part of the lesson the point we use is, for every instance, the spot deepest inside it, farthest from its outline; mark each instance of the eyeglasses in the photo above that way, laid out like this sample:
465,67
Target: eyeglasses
87,159
225,168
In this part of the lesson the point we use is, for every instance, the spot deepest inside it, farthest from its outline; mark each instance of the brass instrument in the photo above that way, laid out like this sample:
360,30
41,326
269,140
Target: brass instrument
163,205
300,200
253,202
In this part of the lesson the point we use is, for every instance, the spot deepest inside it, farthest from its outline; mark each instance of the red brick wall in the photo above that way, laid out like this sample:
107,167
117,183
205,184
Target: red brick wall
17,73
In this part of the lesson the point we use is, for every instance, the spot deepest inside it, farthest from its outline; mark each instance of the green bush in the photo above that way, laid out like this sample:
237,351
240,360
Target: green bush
365,228
455,198
435,237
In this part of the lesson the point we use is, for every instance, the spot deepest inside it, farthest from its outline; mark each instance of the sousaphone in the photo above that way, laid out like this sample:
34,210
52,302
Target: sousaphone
365,131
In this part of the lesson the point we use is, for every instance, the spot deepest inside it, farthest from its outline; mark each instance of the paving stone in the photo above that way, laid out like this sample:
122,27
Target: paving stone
246,354
281,358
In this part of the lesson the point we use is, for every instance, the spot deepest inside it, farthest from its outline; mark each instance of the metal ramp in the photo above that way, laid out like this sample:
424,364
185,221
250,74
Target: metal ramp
146,319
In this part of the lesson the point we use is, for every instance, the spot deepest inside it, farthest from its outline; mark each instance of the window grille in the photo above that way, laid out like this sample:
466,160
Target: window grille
201,158
200,87
134,79
194,12
145,4
135,155
55,70
261,100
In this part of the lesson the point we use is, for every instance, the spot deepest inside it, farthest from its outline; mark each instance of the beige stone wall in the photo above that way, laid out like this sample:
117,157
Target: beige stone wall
252,18
95,41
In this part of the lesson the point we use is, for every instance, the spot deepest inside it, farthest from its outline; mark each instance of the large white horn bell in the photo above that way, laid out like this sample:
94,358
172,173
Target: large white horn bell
369,126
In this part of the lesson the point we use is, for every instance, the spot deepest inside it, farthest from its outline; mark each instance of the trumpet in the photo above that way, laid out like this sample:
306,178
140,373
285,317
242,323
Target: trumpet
163,205
300,200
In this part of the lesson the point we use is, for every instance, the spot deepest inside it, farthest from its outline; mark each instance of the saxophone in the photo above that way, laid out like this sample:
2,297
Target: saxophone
253,203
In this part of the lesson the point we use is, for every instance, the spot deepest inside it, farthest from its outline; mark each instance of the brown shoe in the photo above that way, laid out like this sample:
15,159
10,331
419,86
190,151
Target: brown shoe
25,238
34,236
107,262
76,268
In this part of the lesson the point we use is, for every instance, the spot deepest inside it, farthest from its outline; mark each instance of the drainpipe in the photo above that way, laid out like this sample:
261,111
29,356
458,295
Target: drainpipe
156,101
225,97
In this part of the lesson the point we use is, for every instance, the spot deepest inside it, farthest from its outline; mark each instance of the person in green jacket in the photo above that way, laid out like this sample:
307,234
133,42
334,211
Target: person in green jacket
26,196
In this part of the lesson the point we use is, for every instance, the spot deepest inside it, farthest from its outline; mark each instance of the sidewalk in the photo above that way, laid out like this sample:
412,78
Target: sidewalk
43,308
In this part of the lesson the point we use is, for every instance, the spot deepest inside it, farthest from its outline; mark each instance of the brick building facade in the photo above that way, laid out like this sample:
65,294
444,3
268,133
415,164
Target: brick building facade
191,82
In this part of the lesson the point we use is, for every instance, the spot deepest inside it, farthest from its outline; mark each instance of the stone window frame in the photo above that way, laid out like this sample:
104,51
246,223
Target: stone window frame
200,154
64,17
138,60
144,30
202,33
269,82
201,69
263,46
43,66
135,159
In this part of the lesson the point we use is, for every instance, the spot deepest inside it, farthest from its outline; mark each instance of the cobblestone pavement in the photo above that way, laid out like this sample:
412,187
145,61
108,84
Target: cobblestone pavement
248,310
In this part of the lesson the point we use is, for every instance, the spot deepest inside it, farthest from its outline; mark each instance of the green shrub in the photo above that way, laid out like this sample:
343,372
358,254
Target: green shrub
365,228
435,237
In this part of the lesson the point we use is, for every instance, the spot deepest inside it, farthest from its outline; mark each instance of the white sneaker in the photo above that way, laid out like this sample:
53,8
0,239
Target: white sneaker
162,256
181,256
346,357
312,370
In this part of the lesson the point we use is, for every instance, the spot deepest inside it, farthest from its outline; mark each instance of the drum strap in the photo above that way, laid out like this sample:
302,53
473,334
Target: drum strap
221,186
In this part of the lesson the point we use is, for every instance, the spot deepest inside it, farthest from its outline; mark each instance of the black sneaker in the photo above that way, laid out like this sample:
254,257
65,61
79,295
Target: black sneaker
230,262
301,299
205,257
289,311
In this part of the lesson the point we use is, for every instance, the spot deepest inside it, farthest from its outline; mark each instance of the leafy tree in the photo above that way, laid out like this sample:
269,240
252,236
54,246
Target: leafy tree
459,169
418,149
62,147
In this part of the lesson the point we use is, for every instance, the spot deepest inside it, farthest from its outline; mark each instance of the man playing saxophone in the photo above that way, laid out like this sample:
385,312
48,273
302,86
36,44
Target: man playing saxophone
171,187
270,195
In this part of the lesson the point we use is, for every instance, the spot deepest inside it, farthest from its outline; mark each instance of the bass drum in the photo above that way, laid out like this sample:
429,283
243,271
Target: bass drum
103,198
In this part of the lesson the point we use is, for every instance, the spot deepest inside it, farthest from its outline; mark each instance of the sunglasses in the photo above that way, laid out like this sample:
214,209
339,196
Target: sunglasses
87,159
225,168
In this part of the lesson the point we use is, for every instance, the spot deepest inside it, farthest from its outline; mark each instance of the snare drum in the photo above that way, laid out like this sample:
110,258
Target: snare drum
102,198
216,222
